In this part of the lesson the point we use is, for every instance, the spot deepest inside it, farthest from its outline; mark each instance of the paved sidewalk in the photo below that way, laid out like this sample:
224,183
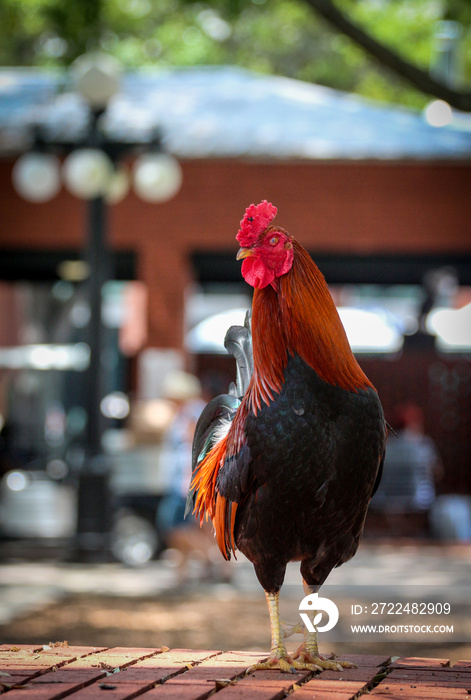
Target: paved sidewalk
84,673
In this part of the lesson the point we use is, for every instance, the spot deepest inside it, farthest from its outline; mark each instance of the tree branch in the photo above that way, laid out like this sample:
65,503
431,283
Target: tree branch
419,78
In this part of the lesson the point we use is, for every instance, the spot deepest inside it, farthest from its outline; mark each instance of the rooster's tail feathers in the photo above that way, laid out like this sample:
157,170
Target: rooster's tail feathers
238,343
210,442
210,429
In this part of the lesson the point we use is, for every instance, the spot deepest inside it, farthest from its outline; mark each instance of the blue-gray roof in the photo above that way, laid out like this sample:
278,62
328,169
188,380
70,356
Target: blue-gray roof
208,112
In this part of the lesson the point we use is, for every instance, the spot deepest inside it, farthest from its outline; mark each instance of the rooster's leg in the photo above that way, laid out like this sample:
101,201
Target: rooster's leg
309,649
279,658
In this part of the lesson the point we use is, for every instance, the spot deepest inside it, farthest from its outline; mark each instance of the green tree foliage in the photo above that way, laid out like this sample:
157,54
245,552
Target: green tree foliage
285,37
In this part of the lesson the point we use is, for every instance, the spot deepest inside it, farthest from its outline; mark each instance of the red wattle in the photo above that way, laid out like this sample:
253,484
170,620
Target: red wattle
256,273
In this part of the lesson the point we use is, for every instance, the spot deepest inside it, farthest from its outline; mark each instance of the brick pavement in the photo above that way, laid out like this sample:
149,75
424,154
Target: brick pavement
32,672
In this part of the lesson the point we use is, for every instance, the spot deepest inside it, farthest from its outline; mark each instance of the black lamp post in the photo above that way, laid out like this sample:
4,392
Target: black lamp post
90,172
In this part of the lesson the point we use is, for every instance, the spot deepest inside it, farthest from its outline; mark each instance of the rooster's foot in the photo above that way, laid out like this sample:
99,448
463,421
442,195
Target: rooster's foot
315,659
285,664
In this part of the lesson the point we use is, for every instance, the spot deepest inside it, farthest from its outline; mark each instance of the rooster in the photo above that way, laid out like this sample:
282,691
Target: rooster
285,464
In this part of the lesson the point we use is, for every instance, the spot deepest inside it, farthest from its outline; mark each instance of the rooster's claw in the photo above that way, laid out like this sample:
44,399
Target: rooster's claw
285,664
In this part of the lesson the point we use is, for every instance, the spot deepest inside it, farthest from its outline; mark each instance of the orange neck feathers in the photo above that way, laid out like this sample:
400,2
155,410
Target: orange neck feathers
300,318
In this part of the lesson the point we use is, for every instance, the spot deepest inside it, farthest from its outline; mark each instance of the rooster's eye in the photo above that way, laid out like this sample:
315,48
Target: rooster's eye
273,240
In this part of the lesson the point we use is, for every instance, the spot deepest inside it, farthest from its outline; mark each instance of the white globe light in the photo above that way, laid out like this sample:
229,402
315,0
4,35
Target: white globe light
87,173
438,113
97,78
36,176
118,186
157,177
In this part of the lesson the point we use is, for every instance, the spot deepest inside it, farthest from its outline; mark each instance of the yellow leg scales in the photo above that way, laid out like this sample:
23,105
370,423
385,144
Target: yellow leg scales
308,652
306,658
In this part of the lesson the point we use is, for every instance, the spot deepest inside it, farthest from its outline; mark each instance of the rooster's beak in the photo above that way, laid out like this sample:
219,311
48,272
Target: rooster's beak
244,253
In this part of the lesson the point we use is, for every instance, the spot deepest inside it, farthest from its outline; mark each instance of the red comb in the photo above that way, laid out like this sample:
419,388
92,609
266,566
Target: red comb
256,219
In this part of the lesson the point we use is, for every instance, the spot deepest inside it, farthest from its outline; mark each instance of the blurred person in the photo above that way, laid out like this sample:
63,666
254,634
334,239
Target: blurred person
409,424
411,470
184,535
